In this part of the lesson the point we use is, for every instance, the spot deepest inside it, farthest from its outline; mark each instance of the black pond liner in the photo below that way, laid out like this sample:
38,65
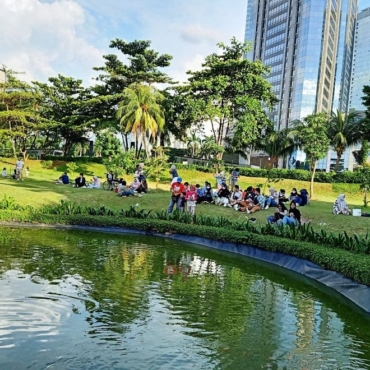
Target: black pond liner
357,293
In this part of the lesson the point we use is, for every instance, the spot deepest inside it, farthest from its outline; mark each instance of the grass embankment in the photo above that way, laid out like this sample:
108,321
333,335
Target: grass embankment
38,190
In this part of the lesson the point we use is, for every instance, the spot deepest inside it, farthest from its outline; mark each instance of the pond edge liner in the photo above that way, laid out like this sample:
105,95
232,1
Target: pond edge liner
358,294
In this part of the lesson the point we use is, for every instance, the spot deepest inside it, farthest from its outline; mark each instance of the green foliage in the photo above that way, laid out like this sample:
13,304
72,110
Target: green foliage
311,135
69,105
20,119
230,93
71,166
343,131
155,165
123,161
364,174
107,144
362,154
141,113
345,254
46,164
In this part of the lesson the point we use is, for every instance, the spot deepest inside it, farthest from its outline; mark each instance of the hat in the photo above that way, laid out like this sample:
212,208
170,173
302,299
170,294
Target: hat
179,179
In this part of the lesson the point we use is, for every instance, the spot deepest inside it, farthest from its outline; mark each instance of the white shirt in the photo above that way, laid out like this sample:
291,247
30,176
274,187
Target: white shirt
4,173
20,164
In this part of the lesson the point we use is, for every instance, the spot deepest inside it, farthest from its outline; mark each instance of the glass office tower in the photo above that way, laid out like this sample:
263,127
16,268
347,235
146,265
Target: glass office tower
361,60
308,45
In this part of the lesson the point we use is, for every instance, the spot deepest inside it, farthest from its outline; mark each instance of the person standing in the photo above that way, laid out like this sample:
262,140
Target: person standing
177,188
234,177
191,197
19,169
173,172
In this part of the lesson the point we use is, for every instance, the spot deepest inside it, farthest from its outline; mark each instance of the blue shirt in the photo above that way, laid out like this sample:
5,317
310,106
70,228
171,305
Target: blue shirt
65,179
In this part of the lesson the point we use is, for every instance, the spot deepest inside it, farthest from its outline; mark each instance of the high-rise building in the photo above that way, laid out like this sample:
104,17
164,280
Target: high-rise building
308,45
361,60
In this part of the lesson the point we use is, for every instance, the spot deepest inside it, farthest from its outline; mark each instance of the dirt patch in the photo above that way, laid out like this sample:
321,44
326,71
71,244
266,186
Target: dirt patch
59,163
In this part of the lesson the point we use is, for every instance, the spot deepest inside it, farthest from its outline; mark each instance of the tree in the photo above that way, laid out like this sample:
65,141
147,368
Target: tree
142,65
362,154
193,143
141,113
311,135
278,144
230,94
211,150
343,132
20,120
71,107
108,143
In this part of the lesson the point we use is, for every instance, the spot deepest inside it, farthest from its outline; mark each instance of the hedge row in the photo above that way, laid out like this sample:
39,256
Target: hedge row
352,265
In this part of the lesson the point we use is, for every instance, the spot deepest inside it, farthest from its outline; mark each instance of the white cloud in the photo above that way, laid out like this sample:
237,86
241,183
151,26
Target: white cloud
197,33
44,39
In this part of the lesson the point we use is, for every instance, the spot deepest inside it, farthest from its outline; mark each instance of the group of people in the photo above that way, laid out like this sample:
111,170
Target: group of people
137,187
19,171
250,200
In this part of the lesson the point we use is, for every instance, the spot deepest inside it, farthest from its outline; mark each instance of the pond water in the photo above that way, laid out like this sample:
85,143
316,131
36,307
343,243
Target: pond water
80,300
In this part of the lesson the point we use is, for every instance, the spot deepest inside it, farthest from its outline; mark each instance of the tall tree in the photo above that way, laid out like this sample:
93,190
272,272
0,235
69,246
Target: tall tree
311,135
108,143
277,144
362,154
71,107
230,94
20,120
141,113
193,143
343,131
141,65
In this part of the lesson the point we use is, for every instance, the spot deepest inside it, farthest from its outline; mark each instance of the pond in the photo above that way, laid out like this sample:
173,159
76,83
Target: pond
83,300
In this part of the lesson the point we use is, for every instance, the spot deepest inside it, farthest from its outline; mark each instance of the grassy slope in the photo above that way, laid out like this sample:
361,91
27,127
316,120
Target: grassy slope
38,190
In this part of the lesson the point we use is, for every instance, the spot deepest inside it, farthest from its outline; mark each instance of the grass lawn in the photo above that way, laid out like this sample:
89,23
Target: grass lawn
38,190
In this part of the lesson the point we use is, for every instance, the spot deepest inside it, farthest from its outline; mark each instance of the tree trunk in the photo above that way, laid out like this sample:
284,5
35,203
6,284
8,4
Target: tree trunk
313,171
339,156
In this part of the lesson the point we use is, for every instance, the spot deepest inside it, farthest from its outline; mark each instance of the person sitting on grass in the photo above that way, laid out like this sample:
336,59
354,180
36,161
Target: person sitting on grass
64,179
177,188
293,217
123,190
223,196
80,182
191,197
340,206
143,182
3,174
95,183
199,191
135,185
259,202
236,197
282,196
273,199
279,214
207,196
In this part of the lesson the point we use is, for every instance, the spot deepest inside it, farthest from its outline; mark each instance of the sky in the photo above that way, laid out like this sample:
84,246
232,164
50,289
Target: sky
45,37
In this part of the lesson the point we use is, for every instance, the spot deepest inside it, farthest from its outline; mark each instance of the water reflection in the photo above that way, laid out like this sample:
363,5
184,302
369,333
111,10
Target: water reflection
73,300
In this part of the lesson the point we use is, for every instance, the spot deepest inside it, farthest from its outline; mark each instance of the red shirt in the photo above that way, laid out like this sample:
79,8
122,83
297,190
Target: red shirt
177,188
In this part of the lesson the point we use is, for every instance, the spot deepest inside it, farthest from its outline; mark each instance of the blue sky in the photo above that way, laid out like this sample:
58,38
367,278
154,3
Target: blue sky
46,37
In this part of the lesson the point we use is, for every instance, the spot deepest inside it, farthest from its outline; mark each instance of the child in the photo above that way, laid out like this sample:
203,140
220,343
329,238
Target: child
4,172
191,197
27,171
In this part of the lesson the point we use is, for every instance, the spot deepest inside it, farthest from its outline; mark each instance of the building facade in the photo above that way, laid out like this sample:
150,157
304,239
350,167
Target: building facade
361,61
308,45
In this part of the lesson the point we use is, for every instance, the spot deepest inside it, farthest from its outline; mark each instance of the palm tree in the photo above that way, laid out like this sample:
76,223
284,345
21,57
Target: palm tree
343,132
278,144
141,112
193,143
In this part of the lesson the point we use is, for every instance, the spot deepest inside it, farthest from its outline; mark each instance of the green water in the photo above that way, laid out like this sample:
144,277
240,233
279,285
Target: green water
80,300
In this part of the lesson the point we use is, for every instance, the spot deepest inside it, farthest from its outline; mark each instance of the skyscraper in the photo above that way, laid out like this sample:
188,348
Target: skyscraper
361,60
308,45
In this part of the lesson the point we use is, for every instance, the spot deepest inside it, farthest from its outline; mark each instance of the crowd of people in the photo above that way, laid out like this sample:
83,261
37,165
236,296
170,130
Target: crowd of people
18,173
250,200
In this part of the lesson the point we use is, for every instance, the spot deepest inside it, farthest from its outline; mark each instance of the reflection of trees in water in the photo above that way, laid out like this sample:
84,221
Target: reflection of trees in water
221,304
